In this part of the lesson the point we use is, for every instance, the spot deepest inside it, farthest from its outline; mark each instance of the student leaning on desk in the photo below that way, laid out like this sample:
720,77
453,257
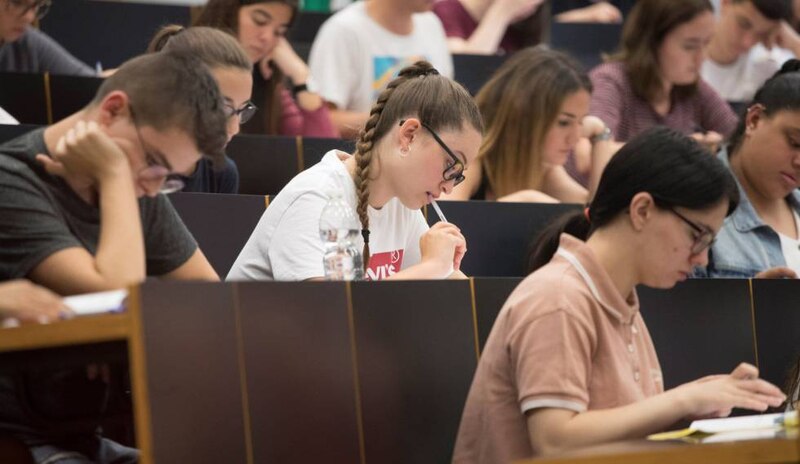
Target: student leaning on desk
569,361
81,211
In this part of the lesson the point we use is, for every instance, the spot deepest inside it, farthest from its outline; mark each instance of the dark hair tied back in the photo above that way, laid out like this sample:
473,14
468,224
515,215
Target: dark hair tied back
781,92
673,168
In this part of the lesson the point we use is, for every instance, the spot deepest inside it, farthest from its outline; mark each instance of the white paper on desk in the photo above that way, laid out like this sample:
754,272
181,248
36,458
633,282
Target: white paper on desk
96,303
762,421
741,435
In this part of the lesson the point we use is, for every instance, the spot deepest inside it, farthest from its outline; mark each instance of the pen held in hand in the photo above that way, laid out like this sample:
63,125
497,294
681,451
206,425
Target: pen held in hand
438,211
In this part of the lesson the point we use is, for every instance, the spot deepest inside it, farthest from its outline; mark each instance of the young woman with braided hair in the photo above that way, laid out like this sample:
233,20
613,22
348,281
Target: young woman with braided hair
422,134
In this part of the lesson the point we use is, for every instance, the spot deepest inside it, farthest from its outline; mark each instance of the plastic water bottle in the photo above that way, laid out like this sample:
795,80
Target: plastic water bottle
338,228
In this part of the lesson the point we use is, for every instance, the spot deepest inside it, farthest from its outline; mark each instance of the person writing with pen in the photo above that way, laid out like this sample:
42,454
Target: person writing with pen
422,135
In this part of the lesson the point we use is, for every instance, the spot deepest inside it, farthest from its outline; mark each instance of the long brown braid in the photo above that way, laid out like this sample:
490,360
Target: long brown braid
435,99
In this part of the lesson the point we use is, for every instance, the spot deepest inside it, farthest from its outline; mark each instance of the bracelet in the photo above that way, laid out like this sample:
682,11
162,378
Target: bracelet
299,88
604,135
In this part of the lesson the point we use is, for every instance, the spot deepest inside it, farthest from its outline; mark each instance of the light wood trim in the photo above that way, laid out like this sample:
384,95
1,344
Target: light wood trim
77,331
48,97
475,318
138,370
248,422
299,147
753,319
776,451
351,320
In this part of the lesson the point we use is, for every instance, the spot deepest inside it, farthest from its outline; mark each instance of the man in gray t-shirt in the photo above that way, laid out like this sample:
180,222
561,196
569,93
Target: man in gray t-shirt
81,211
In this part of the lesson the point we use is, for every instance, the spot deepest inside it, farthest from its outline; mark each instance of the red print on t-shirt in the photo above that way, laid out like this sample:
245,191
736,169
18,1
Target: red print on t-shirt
383,265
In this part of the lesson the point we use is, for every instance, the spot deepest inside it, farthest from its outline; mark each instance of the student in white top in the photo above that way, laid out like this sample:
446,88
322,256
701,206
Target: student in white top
422,134
362,47
751,41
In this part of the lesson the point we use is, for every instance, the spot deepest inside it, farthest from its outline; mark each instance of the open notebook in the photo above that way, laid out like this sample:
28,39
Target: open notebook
735,428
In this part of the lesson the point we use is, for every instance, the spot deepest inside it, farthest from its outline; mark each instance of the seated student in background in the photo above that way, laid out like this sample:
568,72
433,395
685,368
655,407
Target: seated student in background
231,68
535,110
24,301
81,210
362,47
589,11
655,78
422,134
26,49
738,63
569,361
492,26
260,27
761,238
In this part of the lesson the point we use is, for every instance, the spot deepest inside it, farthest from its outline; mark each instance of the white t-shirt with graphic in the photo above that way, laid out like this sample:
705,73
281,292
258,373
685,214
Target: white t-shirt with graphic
353,57
286,244
739,81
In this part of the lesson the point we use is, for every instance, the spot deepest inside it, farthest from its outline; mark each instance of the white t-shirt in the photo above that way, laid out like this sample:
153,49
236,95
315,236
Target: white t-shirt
286,245
353,57
739,81
791,247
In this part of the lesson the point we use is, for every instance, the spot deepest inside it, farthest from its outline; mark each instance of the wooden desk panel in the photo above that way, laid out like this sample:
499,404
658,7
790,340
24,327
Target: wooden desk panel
299,369
699,327
490,294
777,322
194,395
773,451
416,359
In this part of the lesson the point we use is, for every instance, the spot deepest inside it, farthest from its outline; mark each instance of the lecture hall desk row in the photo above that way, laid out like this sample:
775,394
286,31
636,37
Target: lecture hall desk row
266,372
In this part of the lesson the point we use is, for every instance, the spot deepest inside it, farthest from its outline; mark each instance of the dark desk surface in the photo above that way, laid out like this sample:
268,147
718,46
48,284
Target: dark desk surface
777,450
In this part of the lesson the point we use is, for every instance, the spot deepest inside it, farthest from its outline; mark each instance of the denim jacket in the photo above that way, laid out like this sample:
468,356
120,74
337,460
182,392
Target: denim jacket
745,245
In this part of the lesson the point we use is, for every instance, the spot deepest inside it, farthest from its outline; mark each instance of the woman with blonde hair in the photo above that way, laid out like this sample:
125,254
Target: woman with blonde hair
535,110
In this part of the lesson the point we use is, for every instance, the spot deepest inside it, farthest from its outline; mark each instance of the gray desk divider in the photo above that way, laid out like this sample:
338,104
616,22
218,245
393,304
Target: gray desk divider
71,94
490,294
473,71
190,341
700,327
416,358
221,224
314,148
23,96
300,375
777,322
585,41
12,131
498,234
266,162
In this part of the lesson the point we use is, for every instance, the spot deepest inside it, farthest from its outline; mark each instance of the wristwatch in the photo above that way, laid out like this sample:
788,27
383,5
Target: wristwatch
604,135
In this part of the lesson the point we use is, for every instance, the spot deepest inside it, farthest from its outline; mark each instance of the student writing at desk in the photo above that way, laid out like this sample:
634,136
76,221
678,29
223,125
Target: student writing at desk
422,134
569,361
81,212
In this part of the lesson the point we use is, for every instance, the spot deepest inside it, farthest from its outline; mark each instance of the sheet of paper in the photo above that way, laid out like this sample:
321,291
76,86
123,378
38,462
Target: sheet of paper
96,303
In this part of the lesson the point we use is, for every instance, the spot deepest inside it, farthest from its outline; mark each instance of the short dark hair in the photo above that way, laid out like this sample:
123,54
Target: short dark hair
673,168
781,92
775,10
173,90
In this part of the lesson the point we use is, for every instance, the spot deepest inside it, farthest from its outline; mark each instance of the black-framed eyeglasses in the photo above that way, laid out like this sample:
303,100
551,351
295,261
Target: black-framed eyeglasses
245,112
453,171
21,7
704,238
156,169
